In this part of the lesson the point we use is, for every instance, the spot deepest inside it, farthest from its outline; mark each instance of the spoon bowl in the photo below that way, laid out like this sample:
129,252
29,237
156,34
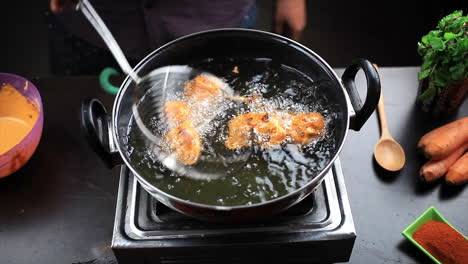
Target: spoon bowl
389,154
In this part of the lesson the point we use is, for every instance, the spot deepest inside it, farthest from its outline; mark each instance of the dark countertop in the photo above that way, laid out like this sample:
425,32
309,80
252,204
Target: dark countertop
59,208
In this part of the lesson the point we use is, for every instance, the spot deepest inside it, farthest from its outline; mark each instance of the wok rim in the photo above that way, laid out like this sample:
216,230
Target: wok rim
154,190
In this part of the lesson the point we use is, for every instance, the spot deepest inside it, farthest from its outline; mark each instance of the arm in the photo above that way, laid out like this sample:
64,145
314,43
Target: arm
290,18
58,5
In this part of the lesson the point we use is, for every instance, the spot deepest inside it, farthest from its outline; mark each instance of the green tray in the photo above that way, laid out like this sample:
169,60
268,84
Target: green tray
428,215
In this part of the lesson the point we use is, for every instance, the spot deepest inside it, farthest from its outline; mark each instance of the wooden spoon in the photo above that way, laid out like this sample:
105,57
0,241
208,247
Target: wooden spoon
387,152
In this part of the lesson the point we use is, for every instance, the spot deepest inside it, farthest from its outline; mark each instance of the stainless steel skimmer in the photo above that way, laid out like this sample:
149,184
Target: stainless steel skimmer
148,96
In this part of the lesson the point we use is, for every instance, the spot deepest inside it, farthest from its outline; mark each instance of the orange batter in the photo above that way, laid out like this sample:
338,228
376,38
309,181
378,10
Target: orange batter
17,117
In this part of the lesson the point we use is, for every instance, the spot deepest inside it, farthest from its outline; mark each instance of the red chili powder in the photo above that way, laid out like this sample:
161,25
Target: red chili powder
443,242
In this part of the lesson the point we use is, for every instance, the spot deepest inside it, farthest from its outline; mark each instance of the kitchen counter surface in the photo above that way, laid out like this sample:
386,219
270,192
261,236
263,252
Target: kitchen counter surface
59,208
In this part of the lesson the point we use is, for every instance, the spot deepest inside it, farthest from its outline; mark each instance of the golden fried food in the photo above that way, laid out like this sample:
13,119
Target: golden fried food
270,130
240,128
186,142
265,129
305,127
203,87
177,112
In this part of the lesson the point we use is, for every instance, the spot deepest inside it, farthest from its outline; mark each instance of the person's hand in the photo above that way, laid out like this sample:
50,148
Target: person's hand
290,18
58,5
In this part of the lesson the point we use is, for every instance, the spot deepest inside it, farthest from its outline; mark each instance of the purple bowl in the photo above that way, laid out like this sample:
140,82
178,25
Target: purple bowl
16,157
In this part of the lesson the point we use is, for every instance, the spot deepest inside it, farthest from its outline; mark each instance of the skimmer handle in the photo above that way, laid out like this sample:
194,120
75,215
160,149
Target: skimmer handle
96,21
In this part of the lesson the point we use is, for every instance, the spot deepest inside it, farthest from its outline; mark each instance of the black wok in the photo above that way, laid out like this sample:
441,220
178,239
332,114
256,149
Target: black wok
107,134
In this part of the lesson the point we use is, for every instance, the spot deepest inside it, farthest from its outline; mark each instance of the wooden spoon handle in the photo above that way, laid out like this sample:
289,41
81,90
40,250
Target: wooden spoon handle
383,117
382,114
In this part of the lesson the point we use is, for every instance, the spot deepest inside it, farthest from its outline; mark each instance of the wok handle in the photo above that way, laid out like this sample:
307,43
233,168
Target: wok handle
363,111
95,124
104,81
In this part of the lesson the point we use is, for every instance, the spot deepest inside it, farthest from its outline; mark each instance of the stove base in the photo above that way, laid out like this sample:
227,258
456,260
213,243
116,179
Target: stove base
329,251
319,229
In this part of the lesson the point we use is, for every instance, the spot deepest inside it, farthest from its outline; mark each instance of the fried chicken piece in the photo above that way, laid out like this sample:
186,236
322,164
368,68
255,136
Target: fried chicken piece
305,127
240,128
265,129
186,142
203,87
176,112
270,130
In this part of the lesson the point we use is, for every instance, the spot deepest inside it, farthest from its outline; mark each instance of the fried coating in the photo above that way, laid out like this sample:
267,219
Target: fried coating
203,87
305,127
264,129
176,112
270,130
186,143
240,129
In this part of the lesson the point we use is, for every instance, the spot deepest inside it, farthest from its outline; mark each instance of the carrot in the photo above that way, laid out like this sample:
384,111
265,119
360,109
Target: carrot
435,169
442,141
427,138
458,173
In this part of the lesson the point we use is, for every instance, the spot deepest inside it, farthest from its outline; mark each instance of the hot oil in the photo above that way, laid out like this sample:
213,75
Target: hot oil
254,174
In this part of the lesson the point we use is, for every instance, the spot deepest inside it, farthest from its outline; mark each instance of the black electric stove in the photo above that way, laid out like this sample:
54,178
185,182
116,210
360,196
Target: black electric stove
319,229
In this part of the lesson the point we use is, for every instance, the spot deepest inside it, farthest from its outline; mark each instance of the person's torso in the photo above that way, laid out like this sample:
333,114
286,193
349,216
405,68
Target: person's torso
142,26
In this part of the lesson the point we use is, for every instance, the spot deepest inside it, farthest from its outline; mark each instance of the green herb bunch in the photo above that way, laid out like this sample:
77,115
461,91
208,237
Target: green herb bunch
445,55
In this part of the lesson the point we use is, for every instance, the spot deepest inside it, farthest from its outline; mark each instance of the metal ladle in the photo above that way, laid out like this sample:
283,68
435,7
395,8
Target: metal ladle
87,9
149,93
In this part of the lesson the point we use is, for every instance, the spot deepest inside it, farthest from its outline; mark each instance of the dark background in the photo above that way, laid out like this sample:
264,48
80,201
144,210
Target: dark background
385,32
60,206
